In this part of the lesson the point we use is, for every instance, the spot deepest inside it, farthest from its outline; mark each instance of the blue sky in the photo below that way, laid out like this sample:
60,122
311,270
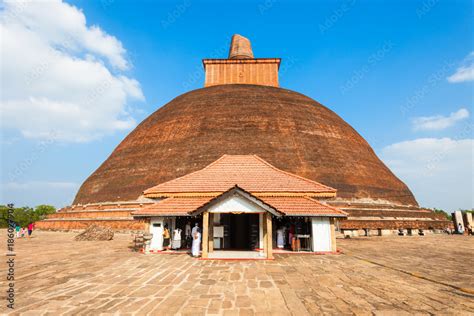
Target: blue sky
399,72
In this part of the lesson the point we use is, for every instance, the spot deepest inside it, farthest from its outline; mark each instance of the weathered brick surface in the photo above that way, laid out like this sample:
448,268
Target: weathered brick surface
126,225
242,71
240,47
285,128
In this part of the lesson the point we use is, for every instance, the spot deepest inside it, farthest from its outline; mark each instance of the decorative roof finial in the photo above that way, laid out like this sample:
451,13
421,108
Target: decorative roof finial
240,48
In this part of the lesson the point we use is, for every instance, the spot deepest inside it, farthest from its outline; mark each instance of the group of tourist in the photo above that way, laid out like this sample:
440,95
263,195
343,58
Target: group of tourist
460,230
468,229
192,238
24,231
288,235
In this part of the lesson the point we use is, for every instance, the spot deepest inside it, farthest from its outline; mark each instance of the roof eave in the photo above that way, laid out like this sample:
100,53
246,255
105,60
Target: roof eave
158,194
160,214
318,215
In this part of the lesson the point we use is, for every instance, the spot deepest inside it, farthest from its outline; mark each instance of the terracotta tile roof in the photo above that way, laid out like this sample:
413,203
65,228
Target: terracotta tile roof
247,171
302,206
289,206
173,207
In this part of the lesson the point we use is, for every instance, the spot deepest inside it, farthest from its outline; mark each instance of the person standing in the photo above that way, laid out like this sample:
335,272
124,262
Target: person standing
460,229
193,232
30,229
17,230
195,229
166,238
196,241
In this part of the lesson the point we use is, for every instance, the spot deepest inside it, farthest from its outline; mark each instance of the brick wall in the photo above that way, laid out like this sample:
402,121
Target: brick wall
393,224
130,225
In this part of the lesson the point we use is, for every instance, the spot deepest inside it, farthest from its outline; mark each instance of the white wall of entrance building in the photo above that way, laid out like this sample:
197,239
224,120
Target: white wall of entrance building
321,233
236,204
156,229
322,237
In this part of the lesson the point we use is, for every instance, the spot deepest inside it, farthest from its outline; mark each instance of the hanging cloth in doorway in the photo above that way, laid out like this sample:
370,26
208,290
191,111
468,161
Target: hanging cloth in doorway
280,238
176,238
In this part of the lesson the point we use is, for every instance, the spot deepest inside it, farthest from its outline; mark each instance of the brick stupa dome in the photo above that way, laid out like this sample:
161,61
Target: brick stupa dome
243,111
289,130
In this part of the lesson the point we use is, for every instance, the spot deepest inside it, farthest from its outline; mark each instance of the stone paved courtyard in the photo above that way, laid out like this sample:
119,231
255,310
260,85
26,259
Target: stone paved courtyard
56,275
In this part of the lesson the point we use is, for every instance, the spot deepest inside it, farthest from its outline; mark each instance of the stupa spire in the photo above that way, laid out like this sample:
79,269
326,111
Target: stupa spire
240,48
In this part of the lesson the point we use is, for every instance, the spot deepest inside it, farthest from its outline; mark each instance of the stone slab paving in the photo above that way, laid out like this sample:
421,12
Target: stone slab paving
447,259
58,276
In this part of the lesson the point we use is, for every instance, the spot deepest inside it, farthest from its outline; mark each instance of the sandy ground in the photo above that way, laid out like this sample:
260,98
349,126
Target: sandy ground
374,276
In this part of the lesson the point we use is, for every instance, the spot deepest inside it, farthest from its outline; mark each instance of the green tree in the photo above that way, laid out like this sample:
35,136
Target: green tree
42,210
3,216
25,215
439,211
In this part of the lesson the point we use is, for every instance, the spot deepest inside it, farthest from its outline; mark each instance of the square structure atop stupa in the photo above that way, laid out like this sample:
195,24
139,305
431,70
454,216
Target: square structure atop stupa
241,67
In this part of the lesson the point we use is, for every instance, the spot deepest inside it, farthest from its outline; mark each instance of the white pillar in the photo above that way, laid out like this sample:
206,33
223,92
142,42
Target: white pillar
321,234
173,224
156,229
260,230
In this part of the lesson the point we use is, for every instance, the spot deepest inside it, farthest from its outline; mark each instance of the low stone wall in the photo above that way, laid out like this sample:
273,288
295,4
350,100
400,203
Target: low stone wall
394,214
372,216
372,205
385,232
116,216
386,217
91,214
116,225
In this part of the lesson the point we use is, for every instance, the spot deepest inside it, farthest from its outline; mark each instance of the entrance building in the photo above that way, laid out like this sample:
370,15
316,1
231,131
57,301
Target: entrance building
244,207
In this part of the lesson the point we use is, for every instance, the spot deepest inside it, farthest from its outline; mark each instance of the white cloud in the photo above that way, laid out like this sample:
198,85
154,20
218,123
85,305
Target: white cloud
439,171
58,74
439,122
465,72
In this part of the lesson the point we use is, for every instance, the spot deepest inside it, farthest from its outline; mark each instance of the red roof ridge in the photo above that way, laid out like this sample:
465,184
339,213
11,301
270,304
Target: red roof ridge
250,159
294,175
188,174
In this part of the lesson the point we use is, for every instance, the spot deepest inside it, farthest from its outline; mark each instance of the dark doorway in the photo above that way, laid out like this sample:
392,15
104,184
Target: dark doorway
240,231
